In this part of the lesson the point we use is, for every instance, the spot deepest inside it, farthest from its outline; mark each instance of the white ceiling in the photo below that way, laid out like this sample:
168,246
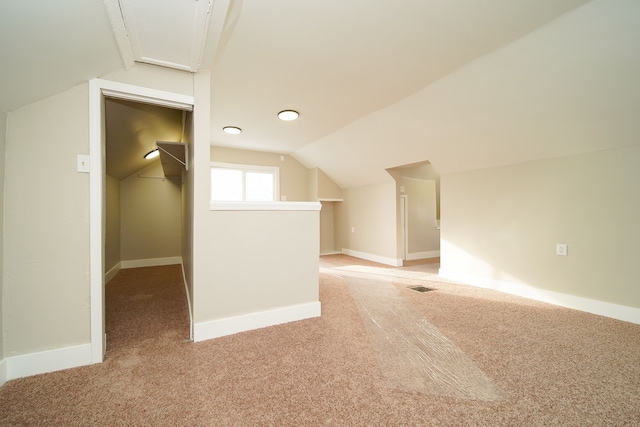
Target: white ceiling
378,84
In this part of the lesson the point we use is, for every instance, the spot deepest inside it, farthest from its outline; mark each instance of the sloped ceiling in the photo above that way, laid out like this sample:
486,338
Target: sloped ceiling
378,84
132,130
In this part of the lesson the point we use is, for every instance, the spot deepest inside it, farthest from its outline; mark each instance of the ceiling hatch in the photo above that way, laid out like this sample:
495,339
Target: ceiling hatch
170,33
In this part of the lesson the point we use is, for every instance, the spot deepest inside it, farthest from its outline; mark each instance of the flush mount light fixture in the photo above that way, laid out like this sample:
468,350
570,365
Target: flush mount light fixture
152,154
288,115
231,130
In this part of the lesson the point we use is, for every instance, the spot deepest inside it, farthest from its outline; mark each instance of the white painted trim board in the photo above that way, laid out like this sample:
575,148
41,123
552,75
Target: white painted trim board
151,262
42,362
394,262
248,322
3,372
614,311
422,255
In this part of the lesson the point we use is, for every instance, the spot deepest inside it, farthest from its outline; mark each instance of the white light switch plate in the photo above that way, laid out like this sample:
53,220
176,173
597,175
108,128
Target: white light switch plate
83,163
561,249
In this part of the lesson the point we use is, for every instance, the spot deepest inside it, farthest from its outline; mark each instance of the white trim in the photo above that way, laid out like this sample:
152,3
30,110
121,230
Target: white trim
330,253
96,211
394,262
265,206
42,362
322,199
615,311
186,291
422,255
3,372
150,262
248,322
99,88
112,272
120,32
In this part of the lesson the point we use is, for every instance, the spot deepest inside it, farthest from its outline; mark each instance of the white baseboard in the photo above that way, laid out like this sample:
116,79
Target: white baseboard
151,262
394,262
614,311
248,322
423,255
112,272
330,253
25,365
3,372
186,291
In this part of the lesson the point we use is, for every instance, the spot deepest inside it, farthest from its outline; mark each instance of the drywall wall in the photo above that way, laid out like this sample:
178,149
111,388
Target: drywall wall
258,261
365,222
327,189
293,175
112,224
502,225
3,140
187,215
151,215
46,298
327,229
423,236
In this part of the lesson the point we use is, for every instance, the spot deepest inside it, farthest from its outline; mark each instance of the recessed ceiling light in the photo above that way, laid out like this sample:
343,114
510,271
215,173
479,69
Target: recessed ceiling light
288,115
152,154
232,130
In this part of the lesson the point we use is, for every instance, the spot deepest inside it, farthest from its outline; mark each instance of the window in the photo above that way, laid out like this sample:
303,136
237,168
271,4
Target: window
244,183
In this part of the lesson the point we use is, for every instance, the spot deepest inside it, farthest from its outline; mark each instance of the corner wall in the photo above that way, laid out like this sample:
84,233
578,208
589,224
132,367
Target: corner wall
46,287
112,226
500,227
3,141
151,215
366,223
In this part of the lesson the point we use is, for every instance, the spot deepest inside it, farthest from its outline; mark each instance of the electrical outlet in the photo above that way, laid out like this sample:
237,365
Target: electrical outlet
561,249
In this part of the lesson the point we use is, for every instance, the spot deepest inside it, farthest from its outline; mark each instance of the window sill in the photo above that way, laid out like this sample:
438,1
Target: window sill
265,206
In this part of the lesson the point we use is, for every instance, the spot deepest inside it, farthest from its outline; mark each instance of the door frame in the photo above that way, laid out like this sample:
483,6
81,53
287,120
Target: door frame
98,90
404,224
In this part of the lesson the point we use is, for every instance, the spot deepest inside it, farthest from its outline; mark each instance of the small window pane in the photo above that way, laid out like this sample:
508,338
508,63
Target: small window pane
259,187
226,185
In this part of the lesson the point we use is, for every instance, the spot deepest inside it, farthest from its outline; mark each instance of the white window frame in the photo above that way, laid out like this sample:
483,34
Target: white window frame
274,170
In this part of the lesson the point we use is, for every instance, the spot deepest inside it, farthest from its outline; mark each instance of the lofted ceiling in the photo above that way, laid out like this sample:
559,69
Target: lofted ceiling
378,84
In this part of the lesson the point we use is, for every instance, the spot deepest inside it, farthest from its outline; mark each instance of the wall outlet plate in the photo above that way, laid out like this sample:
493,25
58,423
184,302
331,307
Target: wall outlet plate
561,249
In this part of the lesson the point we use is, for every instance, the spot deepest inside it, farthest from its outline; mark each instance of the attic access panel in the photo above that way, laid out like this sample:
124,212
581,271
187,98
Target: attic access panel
167,33
173,157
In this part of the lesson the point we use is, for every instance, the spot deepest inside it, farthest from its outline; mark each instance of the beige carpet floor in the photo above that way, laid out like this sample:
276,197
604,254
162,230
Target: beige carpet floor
552,366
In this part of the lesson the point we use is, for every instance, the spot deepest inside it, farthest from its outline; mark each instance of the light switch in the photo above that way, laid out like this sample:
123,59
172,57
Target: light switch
83,163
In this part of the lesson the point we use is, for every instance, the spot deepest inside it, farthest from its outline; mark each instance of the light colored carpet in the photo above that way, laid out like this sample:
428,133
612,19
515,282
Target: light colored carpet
556,367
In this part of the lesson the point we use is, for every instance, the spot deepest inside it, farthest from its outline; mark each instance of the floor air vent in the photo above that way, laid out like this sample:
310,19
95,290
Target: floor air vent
421,289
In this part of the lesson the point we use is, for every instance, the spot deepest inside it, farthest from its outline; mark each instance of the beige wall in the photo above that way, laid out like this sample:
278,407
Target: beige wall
321,187
3,135
327,228
112,227
293,175
258,261
371,211
421,200
187,214
151,215
503,224
46,298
